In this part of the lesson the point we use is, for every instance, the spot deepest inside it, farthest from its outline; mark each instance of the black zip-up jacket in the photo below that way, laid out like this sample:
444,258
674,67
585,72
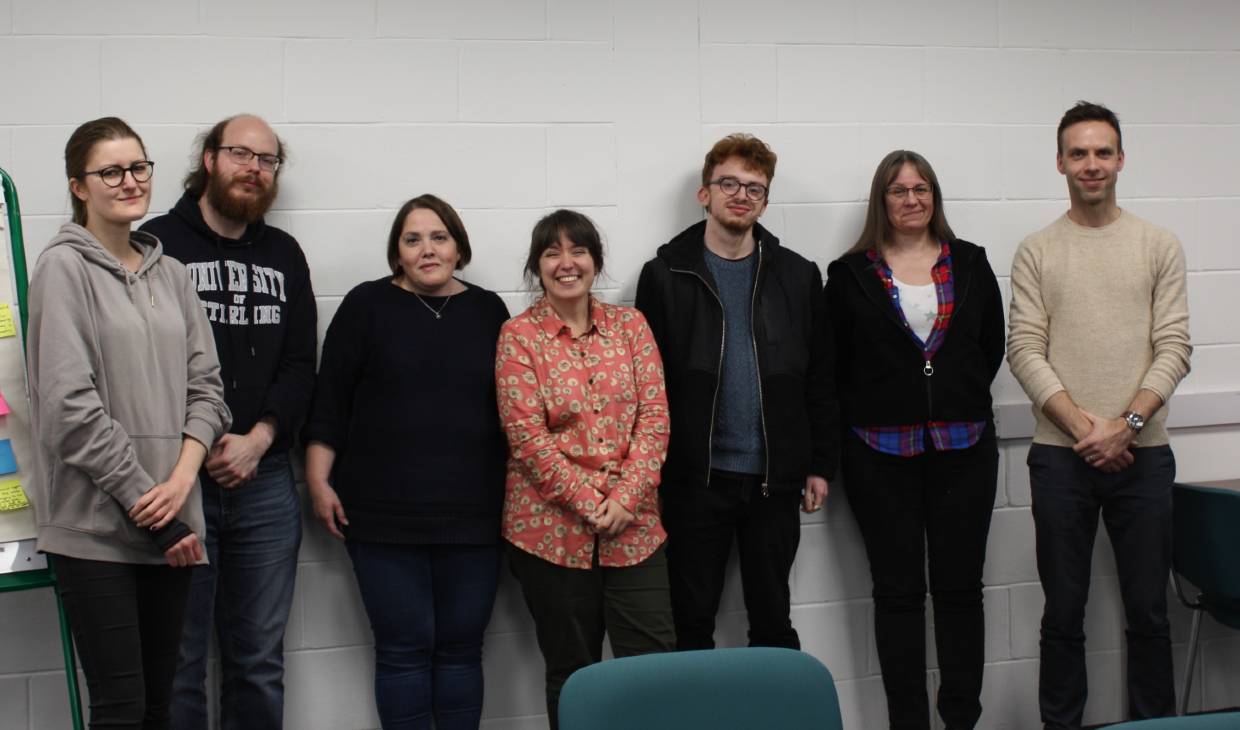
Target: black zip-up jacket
881,372
678,295
256,293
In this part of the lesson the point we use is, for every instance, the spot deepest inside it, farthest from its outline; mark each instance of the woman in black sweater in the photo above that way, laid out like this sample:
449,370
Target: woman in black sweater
918,333
405,462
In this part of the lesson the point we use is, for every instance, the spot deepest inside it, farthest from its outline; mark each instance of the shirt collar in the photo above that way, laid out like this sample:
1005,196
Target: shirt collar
547,319
945,252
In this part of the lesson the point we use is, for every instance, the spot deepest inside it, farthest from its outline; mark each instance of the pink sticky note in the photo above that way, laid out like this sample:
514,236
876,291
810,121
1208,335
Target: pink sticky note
4,406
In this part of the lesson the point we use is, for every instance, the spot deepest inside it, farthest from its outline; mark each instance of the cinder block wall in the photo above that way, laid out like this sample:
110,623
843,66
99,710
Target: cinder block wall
510,108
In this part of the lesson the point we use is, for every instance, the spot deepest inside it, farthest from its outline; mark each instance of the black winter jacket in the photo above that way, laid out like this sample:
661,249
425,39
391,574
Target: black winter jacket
678,295
256,293
881,372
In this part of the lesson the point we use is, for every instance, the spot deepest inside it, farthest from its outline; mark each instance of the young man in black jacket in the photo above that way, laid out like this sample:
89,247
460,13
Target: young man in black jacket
254,285
742,328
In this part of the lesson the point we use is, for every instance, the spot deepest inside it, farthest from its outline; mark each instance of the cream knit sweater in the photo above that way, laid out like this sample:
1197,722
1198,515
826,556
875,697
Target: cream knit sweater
1100,313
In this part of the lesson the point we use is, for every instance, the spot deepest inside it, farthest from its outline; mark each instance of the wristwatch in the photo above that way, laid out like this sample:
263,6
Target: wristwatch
1135,421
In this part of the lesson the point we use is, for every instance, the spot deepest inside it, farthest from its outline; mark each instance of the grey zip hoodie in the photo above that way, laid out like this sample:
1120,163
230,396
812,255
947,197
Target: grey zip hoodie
122,365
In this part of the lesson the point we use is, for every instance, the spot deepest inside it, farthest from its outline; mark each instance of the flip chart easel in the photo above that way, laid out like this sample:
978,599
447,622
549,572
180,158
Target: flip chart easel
21,566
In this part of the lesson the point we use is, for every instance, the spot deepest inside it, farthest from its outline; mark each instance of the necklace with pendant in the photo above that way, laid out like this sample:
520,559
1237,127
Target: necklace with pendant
437,312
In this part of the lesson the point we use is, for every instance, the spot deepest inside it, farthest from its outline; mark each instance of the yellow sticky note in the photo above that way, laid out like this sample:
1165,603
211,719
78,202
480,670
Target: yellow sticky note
11,496
7,328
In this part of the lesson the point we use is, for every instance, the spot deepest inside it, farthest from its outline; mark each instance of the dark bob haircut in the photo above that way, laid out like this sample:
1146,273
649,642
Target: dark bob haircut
567,223
446,213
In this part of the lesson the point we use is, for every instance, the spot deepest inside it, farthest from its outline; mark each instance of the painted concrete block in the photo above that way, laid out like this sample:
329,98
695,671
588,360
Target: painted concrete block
783,21
471,19
46,63
127,17
245,72
543,82
988,85
352,81
290,19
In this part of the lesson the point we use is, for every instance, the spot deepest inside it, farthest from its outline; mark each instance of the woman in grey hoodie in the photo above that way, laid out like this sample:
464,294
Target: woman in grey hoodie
126,398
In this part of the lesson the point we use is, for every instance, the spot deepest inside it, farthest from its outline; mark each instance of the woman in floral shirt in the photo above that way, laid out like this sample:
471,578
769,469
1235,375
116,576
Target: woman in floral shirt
581,398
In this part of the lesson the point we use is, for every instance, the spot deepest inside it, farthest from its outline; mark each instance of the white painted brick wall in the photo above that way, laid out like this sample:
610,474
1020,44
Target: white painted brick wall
508,108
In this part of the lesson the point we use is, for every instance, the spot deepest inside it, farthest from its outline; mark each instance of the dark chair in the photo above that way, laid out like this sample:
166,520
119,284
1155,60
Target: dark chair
1221,721
1204,548
722,689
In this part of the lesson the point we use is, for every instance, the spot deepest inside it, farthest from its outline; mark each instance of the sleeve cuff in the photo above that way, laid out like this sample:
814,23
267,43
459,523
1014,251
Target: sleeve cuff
1045,393
201,431
586,500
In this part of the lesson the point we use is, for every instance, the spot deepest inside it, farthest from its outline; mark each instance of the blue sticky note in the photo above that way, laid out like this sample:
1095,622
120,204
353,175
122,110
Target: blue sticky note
8,462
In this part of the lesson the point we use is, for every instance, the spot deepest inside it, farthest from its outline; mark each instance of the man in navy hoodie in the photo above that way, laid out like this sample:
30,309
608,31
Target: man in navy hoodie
254,285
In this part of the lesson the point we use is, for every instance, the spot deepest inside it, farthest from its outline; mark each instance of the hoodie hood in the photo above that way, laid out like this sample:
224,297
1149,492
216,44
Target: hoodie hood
84,242
188,211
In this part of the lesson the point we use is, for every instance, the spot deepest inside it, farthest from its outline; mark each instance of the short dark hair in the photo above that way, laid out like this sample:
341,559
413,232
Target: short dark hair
755,153
877,228
567,223
195,182
1087,111
446,213
79,147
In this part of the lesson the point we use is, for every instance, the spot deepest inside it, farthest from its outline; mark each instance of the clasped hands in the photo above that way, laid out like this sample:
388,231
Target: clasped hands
1105,447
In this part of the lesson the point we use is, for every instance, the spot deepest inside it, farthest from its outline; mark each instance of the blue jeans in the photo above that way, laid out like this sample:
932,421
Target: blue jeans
428,607
253,534
1136,508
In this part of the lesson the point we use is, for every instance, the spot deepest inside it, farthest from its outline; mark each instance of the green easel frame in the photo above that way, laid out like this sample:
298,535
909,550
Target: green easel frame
45,578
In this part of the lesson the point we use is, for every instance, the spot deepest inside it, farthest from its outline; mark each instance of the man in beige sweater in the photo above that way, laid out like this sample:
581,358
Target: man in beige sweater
1099,340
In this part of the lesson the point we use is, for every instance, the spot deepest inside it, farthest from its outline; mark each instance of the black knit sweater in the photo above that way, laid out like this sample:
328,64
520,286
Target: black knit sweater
407,402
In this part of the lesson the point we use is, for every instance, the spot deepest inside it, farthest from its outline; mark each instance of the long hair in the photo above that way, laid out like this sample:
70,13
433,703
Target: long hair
79,147
877,229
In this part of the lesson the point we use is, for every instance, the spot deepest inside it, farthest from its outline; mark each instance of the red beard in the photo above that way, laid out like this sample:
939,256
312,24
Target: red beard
241,206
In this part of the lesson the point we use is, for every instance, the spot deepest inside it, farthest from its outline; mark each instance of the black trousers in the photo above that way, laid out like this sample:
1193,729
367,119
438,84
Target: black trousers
126,622
1136,507
701,524
937,503
573,608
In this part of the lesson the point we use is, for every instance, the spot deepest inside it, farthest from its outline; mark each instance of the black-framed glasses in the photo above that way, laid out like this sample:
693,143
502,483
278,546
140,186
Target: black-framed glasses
730,186
114,175
243,155
899,192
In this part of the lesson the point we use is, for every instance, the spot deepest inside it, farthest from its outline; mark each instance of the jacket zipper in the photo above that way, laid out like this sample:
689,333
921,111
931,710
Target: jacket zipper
714,403
753,340
927,367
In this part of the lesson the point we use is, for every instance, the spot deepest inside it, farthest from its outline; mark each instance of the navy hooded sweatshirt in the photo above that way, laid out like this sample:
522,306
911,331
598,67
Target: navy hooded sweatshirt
257,296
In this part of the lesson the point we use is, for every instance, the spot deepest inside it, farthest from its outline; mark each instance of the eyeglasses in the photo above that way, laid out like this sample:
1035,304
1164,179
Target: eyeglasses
899,192
730,186
114,175
243,155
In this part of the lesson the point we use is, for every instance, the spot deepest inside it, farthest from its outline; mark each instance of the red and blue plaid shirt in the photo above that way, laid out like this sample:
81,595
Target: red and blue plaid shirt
910,440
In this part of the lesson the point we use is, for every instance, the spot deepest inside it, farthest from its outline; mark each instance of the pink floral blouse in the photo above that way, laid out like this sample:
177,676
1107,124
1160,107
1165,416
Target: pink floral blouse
586,419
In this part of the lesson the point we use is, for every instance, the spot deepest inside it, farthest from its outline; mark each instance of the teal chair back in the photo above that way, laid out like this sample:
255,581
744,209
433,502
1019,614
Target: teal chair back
722,689
1220,721
1205,545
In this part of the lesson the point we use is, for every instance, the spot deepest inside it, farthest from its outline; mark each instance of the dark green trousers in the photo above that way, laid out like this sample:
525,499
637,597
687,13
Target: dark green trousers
573,608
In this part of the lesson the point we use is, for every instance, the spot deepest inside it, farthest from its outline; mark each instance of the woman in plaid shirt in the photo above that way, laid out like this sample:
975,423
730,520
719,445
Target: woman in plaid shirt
917,320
